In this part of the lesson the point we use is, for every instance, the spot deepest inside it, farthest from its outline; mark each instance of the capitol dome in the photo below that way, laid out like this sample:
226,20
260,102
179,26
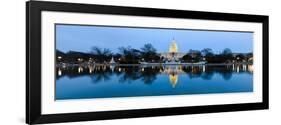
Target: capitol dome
173,47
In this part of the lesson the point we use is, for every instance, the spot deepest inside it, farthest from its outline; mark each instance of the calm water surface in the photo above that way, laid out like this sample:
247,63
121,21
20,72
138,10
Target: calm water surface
127,81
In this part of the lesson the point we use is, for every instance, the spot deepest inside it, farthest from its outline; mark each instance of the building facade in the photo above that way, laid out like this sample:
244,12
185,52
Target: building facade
173,55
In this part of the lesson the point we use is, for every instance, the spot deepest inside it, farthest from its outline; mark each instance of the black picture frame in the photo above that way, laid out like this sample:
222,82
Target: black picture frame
33,61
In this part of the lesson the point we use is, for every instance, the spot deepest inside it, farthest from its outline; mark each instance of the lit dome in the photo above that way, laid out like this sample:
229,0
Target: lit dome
173,47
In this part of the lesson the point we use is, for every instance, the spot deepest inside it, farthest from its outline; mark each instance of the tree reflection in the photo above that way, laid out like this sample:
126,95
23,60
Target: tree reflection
129,74
101,73
193,71
148,74
207,75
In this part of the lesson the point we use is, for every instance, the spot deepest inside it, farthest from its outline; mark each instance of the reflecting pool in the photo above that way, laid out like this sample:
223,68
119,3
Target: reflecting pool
91,81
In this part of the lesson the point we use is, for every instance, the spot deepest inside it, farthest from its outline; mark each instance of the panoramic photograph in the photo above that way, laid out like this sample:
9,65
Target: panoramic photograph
114,61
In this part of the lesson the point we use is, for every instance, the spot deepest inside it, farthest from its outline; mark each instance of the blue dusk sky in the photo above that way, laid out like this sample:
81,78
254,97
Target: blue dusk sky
83,38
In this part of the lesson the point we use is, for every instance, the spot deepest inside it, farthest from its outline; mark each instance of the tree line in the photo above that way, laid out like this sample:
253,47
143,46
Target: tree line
148,53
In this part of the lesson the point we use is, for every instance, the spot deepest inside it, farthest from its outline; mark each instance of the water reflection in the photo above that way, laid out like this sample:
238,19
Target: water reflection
59,72
173,79
148,74
106,81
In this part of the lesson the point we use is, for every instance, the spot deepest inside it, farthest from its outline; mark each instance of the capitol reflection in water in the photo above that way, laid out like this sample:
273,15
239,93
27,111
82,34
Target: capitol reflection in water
92,81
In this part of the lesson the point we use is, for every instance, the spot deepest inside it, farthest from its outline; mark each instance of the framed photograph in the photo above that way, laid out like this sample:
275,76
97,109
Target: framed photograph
94,62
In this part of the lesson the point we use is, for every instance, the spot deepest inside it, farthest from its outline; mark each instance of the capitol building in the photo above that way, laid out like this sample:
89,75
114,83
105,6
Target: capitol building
173,55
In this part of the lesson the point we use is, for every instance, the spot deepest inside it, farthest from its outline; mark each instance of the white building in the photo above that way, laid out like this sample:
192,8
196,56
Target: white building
173,55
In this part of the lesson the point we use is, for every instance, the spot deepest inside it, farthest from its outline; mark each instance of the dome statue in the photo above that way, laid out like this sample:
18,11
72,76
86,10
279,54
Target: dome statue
173,47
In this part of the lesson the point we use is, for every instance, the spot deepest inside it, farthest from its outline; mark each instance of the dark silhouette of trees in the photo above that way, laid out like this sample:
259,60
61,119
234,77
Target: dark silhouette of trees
149,53
207,52
227,54
195,55
192,56
60,56
186,58
217,59
148,48
129,55
76,57
226,51
117,57
101,55
225,57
